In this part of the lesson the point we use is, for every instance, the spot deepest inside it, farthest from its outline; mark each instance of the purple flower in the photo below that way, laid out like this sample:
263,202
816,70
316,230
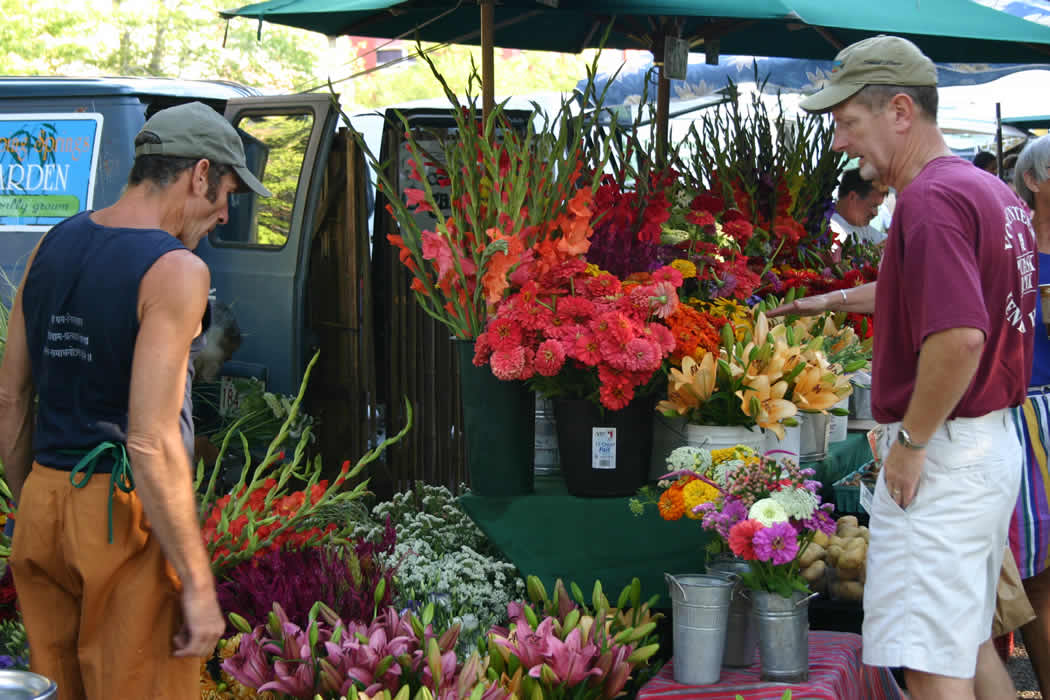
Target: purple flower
777,543
820,521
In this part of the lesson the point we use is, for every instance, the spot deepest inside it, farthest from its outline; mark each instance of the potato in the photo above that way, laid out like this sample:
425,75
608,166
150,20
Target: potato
835,539
814,571
813,552
846,521
856,543
852,558
831,556
821,538
848,532
865,533
847,574
851,590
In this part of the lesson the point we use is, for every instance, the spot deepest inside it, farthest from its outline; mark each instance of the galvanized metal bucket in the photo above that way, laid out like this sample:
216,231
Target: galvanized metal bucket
26,685
699,612
546,459
741,631
813,436
783,635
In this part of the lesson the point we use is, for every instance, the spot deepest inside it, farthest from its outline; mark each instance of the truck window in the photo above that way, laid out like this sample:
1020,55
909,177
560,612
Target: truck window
275,146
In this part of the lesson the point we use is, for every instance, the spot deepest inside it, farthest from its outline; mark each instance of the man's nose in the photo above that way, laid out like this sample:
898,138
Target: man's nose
839,142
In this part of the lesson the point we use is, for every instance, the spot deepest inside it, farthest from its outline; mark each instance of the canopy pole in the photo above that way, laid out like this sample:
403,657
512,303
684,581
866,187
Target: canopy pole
488,99
663,108
999,139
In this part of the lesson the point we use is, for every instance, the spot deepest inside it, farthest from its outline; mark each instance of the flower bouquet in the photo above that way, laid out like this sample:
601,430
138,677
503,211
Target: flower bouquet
578,332
768,511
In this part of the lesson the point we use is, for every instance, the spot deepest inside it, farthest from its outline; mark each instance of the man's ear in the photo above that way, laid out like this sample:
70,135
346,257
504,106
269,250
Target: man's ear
199,177
904,111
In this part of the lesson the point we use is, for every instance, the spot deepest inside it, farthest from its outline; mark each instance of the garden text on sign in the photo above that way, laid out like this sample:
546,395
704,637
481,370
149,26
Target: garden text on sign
47,167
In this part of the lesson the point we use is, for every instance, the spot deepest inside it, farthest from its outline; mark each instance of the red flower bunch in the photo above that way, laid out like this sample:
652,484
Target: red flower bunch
282,507
481,198
593,336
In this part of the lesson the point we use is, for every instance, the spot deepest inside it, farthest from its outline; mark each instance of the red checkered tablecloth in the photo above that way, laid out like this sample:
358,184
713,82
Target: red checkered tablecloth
836,672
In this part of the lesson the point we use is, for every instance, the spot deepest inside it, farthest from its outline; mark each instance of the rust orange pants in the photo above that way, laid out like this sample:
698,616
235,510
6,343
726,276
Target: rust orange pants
99,616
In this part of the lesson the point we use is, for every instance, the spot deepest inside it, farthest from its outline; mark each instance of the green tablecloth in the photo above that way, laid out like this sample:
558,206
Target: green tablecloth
553,535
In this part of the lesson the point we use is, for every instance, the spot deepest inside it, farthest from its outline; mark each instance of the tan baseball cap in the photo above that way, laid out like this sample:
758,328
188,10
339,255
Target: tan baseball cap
880,60
195,130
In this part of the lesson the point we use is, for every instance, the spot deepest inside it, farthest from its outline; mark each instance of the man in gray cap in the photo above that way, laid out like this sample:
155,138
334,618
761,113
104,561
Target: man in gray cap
112,574
954,307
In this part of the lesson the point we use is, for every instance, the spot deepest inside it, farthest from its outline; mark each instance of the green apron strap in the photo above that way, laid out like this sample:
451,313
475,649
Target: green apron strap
119,478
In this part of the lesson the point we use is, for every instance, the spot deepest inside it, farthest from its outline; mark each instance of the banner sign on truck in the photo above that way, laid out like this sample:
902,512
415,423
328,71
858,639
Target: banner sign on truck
47,167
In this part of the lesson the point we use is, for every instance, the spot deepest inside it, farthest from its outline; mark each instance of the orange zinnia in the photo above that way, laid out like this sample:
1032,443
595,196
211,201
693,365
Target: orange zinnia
672,503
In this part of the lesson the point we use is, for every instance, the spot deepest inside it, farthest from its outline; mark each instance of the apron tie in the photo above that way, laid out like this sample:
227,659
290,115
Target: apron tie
119,478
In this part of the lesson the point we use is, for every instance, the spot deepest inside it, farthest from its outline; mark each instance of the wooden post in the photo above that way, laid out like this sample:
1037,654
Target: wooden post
488,99
663,108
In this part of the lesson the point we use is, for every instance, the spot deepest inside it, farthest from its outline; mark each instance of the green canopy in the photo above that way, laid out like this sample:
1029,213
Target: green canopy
946,30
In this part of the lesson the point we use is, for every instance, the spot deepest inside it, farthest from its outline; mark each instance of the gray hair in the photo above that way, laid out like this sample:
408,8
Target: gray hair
1035,160
875,97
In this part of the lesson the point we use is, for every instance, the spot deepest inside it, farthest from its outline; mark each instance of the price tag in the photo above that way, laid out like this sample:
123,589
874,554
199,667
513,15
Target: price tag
603,448
866,496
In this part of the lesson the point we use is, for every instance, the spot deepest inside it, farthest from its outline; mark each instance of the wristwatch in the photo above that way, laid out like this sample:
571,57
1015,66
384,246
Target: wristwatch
904,438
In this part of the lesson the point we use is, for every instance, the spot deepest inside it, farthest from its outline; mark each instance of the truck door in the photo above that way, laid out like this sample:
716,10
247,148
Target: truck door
259,260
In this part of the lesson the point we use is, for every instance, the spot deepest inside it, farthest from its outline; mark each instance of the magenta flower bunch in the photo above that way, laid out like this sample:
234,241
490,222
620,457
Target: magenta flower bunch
577,658
331,658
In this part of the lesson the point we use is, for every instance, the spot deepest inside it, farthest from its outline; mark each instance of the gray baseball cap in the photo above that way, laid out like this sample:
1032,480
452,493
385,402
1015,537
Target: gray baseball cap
195,130
880,60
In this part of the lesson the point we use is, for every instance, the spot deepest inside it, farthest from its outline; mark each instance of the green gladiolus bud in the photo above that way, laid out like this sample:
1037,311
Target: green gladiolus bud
239,623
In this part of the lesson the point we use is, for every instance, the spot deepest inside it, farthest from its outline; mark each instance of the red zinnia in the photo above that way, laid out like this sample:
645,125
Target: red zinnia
549,358
741,536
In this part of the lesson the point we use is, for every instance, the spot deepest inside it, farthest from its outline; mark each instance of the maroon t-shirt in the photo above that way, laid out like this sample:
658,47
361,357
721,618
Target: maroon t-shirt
961,253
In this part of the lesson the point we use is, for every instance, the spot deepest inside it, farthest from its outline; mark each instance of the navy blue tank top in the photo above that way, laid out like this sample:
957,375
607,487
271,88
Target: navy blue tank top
80,302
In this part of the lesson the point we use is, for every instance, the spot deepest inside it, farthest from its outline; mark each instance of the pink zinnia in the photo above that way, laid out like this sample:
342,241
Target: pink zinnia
642,355
508,364
586,349
664,298
482,350
668,274
549,358
503,334
662,336
578,309
777,543
615,397
741,538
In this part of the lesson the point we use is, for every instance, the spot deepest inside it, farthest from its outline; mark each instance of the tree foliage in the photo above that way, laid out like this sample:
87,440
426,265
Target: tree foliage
164,38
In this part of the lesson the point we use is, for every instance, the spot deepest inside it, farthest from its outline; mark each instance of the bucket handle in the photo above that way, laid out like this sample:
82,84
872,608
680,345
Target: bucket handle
671,579
730,576
808,598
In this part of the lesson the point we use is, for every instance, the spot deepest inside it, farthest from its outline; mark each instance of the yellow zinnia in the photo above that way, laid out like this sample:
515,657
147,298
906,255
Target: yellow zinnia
686,267
593,270
696,492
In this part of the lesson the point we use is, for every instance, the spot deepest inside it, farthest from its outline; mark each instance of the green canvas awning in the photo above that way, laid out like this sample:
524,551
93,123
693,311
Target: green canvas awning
947,30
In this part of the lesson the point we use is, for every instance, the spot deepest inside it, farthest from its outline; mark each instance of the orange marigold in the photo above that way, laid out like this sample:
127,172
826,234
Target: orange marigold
672,504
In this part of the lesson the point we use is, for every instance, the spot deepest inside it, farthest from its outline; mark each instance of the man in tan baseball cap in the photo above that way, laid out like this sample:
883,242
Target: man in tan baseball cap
113,575
954,308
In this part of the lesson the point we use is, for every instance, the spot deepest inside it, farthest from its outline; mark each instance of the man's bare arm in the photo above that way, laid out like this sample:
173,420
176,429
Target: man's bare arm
172,298
858,300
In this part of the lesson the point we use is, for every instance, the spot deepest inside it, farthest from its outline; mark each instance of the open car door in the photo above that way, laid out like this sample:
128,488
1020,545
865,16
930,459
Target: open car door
259,260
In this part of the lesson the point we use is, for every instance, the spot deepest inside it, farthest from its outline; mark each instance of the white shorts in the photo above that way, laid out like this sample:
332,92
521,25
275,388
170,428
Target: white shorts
932,569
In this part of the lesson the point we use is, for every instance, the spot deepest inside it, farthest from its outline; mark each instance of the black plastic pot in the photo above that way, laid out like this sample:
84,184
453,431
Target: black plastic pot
587,474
